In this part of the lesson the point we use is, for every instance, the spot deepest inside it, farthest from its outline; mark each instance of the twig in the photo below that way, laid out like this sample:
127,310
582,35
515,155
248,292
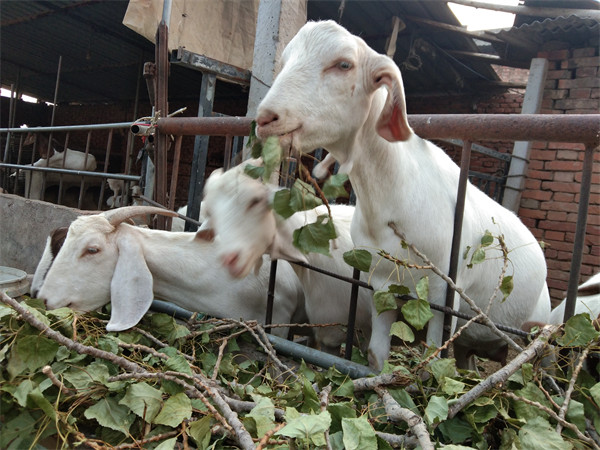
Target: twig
457,289
387,379
267,436
414,421
324,402
502,375
69,343
142,443
219,358
398,441
562,412
47,370
555,416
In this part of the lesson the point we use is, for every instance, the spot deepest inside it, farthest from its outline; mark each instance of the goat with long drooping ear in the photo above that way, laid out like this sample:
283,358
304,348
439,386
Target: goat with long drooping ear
336,93
103,259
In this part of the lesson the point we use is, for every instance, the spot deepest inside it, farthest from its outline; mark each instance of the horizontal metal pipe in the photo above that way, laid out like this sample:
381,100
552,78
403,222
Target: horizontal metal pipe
283,346
503,127
116,176
99,126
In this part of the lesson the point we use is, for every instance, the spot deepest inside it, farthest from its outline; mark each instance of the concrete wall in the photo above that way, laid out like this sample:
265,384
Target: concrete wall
25,225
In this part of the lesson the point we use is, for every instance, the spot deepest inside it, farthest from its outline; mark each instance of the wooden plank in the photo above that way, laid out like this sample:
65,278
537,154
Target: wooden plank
204,64
535,11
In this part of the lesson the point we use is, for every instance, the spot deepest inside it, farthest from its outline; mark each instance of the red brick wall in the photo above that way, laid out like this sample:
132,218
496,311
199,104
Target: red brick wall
550,202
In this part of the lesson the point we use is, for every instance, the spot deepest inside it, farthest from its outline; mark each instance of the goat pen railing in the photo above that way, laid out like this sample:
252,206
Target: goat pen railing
580,128
13,158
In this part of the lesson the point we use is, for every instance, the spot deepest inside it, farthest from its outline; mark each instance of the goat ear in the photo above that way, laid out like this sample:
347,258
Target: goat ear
393,123
205,234
131,290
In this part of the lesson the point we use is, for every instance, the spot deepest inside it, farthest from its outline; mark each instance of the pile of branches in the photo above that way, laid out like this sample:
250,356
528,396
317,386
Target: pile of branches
165,384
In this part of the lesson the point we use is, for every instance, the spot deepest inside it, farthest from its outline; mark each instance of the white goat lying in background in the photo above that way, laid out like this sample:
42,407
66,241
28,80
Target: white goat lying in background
335,92
237,211
588,301
50,157
106,260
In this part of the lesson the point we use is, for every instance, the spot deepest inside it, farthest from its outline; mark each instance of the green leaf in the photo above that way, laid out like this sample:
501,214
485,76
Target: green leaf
108,413
506,286
478,256
334,186
487,239
29,353
20,394
315,237
436,410
302,196
42,402
281,203
456,430
310,427
422,288
165,325
579,331
384,301
263,415
83,377
144,400
358,434
359,259
254,171
338,412
200,431
14,429
271,155
537,433
403,331
441,368
176,409
525,411
168,444
453,387
595,392
417,313
398,289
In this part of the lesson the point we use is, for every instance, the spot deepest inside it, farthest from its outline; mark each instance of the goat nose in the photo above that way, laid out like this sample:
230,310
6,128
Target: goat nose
266,117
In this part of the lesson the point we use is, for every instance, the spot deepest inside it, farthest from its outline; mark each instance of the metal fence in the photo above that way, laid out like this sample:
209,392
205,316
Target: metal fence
467,128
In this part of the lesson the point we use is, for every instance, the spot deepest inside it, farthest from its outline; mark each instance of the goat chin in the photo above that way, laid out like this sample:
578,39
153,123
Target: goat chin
336,93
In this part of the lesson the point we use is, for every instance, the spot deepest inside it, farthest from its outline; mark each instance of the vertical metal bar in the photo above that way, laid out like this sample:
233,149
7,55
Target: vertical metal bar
271,295
82,185
205,107
458,221
227,152
174,176
162,107
352,315
60,176
582,216
106,164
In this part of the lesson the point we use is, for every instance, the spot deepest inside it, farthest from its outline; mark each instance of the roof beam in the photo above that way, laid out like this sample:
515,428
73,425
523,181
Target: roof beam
461,30
536,11
492,59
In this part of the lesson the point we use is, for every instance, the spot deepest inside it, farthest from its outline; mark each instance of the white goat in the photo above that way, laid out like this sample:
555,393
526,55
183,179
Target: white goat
237,211
50,157
335,92
106,260
588,301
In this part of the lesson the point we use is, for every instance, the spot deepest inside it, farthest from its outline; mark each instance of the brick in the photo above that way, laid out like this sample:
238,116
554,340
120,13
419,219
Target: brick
586,72
578,83
584,93
560,187
558,275
544,155
531,184
533,213
529,223
563,197
539,174
550,84
577,103
530,203
559,216
595,93
564,264
572,152
561,245
536,165
562,74
554,236
537,195
584,61
556,226
564,176
554,55
588,51
556,94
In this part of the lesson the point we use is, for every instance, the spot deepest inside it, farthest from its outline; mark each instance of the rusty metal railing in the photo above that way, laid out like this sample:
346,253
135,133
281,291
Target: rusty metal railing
576,128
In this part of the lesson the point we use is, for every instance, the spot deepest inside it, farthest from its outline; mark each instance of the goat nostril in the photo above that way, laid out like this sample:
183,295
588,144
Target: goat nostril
266,118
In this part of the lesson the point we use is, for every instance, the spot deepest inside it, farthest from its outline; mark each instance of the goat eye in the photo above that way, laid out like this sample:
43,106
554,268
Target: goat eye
254,202
344,65
92,250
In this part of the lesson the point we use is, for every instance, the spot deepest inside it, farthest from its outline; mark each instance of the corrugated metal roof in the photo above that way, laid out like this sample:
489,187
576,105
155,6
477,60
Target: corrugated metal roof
102,59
